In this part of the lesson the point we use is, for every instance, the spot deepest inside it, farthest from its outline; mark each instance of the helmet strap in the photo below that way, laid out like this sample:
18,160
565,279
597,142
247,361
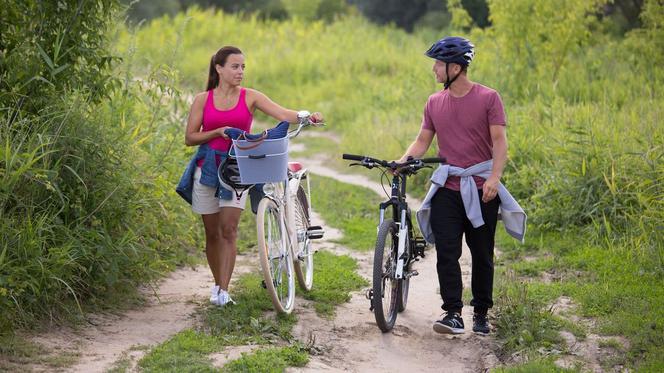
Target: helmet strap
448,81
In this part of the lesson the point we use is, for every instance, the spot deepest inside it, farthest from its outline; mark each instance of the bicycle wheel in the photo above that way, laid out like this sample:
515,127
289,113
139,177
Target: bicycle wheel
304,257
404,283
275,256
385,286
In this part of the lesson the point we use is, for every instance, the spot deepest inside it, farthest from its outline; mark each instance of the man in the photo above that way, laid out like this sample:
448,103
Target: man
468,120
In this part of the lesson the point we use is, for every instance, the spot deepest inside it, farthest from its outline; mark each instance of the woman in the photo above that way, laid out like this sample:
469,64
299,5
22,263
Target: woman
223,105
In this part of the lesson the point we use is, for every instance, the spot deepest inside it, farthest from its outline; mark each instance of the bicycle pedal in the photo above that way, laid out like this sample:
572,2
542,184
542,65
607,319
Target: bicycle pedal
315,232
419,245
369,295
412,273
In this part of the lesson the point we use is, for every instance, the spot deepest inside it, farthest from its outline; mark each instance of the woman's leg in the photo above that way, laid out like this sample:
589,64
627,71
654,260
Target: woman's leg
213,244
229,220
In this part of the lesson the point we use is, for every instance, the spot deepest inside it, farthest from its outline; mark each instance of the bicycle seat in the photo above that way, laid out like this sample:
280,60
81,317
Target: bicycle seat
294,166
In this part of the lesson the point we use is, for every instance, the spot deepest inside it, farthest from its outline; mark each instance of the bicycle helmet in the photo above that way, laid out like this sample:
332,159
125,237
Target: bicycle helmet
452,49
229,176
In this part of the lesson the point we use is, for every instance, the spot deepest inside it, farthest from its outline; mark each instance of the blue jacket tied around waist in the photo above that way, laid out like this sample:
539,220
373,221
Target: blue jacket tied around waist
208,174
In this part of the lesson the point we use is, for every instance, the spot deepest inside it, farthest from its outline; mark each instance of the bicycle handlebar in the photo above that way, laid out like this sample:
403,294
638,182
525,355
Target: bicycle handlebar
366,160
353,157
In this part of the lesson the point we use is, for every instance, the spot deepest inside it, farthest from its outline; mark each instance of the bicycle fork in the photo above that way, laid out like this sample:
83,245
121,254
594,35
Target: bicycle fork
401,248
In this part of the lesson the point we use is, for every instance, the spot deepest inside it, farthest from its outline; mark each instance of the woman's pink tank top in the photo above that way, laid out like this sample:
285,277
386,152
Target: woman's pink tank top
239,117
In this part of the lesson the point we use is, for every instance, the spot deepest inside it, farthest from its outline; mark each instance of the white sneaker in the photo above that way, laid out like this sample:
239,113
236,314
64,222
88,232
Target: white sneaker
224,298
214,294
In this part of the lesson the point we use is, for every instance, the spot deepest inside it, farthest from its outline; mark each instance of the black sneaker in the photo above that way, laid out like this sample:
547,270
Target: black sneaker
481,323
452,323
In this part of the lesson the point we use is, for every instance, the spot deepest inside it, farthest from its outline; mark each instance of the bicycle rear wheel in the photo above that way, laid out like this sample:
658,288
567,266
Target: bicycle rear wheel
385,286
275,256
304,257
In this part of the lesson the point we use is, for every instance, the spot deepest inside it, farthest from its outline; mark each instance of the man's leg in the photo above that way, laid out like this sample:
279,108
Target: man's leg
481,243
447,217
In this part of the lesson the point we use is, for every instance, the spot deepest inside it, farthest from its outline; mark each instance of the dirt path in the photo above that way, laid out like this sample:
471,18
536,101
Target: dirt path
353,342
169,309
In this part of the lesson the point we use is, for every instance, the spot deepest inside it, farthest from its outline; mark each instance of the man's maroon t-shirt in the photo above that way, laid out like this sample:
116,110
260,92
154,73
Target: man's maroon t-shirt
462,125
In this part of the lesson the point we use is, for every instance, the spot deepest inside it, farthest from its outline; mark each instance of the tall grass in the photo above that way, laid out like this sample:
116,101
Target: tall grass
87,207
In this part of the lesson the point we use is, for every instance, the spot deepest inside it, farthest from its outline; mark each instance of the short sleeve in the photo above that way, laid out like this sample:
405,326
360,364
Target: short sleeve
496,112
427,123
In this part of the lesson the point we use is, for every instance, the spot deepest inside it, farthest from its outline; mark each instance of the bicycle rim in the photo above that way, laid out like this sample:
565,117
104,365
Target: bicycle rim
304,258
275,256
385,286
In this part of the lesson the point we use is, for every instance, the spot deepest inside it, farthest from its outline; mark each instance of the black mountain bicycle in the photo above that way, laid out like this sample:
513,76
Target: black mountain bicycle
397,247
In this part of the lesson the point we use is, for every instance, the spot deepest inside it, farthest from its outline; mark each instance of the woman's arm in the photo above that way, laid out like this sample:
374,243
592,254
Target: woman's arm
193,135
271,108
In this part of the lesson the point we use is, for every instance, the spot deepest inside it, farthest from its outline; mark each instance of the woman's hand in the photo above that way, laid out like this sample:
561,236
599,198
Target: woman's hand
221,133
316,118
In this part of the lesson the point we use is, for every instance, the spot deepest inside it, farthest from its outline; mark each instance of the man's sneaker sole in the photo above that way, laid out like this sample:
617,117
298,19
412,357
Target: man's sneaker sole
481,332
444,329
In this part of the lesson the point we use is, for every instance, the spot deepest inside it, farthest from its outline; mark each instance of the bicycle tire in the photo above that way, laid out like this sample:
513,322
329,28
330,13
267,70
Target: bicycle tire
303,260
383,268
275,256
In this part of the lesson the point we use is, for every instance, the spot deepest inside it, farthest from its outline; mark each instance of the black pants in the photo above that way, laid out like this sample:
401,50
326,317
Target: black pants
449,223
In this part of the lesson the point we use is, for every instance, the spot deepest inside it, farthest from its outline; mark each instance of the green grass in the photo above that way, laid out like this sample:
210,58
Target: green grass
334,279
350,208
275,359
18,352
535,366
600,280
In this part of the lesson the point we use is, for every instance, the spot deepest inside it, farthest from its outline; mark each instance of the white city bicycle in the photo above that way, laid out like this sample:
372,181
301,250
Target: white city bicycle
284,230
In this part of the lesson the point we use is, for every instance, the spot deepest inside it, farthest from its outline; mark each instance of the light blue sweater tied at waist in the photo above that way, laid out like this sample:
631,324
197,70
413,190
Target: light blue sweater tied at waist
512,215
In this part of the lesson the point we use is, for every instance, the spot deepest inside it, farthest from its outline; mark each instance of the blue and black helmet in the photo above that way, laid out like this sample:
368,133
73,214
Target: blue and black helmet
452,49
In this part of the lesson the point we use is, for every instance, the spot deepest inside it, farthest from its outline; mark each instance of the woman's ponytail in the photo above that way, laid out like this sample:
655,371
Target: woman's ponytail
213,76
219,58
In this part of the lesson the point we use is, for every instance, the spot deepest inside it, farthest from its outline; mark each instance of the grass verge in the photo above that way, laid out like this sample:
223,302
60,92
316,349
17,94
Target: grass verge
611,292
356,217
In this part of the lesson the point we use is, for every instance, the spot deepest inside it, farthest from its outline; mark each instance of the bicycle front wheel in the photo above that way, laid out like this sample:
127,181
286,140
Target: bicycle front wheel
304,257
275,256
385,286
404,283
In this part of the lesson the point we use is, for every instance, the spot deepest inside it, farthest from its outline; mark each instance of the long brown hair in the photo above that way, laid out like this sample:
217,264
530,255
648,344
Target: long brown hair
219,58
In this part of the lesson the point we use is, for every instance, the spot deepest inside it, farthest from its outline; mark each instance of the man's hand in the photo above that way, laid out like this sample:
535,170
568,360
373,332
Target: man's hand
490,188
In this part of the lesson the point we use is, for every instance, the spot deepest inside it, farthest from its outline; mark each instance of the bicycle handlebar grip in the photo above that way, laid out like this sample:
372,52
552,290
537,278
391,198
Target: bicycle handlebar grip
353,157
434,160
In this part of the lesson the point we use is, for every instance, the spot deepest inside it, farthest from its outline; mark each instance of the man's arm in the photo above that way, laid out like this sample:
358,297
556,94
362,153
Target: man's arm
420,145
499,139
